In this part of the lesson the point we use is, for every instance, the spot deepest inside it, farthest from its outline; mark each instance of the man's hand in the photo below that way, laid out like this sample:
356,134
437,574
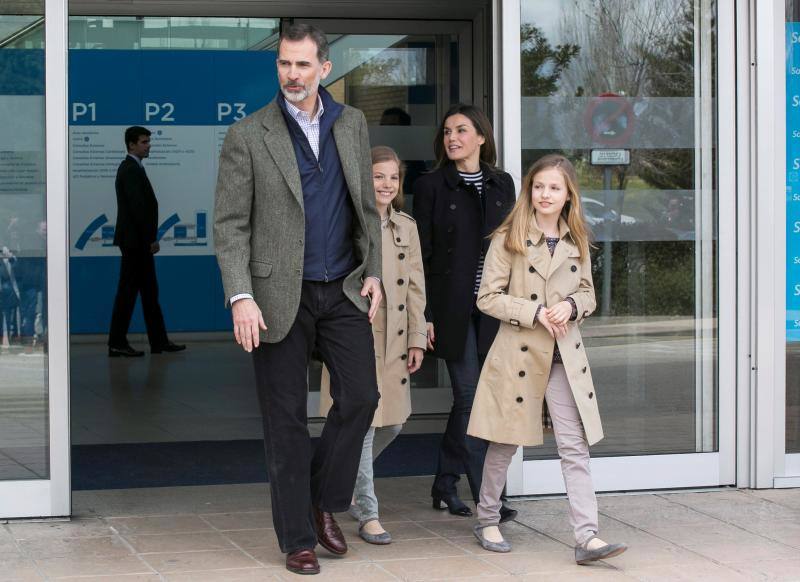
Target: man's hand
372,288
247,320
415,357
431,335
155,247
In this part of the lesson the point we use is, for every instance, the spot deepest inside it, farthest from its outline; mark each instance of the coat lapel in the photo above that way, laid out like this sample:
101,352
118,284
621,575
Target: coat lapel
539,257
343,136
279,144
563,249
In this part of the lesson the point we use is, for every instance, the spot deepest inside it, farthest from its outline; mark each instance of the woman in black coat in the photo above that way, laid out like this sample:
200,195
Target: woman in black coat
456,207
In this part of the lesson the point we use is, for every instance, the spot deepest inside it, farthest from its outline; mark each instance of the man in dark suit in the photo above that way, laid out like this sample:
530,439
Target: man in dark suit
136,236
298,242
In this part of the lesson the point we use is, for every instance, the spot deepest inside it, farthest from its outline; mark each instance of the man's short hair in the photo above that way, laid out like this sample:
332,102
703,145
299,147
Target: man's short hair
299,31
132,134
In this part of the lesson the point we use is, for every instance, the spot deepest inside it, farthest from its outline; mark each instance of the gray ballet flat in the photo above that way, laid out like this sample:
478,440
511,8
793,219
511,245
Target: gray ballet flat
381,539
503,547
583,555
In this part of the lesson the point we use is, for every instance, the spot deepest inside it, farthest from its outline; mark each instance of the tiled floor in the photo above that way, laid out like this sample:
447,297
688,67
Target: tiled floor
224,533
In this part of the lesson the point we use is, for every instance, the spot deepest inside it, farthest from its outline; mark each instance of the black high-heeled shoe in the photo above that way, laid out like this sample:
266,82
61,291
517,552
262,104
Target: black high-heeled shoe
507,514
452,504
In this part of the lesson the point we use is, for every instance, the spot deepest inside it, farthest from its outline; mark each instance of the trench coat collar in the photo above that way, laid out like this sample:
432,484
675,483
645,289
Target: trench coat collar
538,253
535,234
454,179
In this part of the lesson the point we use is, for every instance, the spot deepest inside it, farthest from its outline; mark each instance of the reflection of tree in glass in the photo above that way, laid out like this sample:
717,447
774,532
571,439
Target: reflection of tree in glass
672,76
542,65
624,43
380,72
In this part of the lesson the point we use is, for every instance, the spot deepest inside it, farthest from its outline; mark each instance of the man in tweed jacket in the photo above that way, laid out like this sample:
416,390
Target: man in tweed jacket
298,243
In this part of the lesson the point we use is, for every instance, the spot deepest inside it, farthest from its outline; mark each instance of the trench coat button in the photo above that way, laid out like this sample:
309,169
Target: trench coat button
447,271
404,357
498,203
299,242
400,332
397,239
573,268
400,281
531,270
591,395
524,348
583,371
401,256
404,380
522,373
577,345
449,251
450,228
452,207
401,307
534,297
519,398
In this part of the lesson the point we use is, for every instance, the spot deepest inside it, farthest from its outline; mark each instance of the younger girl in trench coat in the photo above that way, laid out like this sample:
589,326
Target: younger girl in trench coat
399,332
537,281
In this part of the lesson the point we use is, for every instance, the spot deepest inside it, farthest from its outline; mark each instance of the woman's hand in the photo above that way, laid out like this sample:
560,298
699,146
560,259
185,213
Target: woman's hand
431,336
415,357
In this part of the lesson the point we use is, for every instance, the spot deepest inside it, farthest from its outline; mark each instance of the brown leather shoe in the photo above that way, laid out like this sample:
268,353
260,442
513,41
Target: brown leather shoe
329,535
302,562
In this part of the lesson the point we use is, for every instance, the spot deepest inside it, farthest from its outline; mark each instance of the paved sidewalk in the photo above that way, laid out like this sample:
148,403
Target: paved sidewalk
223,533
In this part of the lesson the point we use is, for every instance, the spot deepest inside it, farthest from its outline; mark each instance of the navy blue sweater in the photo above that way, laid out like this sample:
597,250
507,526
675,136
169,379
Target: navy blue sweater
329,253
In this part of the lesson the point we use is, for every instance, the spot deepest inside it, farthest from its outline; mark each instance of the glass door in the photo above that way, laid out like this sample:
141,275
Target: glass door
636,94
34,438
403,76
790,476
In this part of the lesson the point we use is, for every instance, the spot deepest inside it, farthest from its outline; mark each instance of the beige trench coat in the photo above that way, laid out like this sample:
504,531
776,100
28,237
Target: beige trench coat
508,402
399,323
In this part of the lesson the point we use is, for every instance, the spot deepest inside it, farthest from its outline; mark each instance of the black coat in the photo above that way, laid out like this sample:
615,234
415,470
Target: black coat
453,230
137,207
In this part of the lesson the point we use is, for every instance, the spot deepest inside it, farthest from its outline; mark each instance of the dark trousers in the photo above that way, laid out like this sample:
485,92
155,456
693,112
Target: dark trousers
460,453
137,276
299,478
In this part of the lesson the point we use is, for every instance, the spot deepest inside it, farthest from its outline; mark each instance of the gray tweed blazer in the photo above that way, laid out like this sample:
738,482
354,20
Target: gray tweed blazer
259,225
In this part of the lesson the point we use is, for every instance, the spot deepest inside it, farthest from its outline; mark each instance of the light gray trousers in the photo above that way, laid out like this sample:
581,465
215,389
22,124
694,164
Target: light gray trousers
573,450
376,440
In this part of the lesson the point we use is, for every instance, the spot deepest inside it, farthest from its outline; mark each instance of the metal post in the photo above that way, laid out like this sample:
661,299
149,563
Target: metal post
605,308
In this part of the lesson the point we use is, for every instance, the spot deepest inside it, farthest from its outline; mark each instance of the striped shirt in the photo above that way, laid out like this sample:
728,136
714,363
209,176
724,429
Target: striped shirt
476,179
309,125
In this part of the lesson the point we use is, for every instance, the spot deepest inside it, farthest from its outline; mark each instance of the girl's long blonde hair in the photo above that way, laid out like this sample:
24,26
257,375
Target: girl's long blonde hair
519,221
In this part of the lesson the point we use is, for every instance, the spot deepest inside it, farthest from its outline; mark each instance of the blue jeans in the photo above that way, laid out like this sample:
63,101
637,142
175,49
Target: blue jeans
459,452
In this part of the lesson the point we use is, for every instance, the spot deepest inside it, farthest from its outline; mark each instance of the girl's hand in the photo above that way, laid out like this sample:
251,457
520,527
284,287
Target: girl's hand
545,322
431,336
415,357
560,313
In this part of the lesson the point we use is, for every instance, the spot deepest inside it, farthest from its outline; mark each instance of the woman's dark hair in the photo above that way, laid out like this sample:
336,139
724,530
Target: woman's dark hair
481,124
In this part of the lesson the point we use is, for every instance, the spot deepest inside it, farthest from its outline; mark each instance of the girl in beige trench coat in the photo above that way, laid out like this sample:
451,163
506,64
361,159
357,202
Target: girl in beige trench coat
537,281
399,332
